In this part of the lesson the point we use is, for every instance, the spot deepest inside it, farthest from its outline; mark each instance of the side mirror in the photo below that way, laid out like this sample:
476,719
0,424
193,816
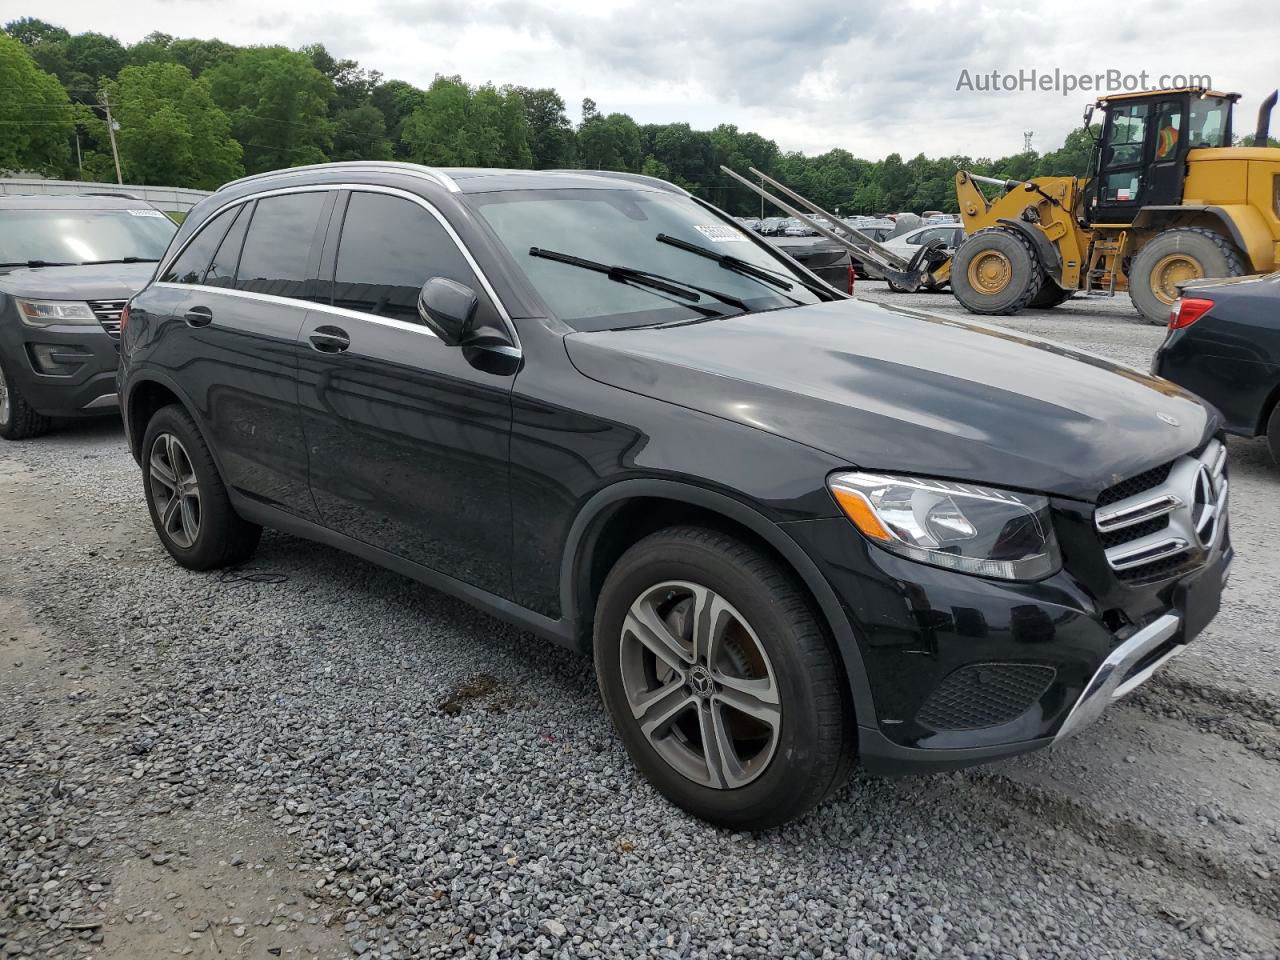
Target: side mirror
448,308
1088,114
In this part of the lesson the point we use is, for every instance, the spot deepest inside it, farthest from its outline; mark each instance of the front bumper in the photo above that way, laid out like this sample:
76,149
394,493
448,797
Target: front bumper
62,371
962,670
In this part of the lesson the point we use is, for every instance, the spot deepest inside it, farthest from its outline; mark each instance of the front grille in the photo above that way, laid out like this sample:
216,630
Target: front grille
985,695
1147,480
1114,538
108,314
1164,521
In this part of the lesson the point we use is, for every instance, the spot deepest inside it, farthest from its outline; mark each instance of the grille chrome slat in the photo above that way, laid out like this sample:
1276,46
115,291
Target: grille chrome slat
1166,519
1127,516
108,314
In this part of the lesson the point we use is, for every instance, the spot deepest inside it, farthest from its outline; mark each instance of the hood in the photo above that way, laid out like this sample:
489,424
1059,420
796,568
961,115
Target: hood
102,281
891,389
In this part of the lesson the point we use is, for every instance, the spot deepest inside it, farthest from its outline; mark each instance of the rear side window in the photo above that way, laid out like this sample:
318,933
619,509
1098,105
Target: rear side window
278,247
190,265
222,271
389,248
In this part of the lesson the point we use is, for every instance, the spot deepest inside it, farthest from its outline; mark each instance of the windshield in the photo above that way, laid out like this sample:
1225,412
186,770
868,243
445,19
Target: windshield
83,236
621,228
1208,126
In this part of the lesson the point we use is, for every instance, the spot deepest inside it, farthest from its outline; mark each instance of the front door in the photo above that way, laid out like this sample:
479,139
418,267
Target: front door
408,436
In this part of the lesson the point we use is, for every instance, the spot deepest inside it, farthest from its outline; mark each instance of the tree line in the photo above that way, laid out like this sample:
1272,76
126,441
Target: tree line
196,113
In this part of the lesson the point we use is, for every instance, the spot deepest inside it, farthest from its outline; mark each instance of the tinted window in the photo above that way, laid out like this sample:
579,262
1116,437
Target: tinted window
222,271
191,263
389,248
278,246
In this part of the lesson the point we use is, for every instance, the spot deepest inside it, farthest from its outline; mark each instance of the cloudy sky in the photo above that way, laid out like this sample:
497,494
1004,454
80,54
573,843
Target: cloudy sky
871,78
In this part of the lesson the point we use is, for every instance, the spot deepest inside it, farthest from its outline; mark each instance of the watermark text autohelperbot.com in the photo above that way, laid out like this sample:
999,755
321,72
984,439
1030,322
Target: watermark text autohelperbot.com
1065,82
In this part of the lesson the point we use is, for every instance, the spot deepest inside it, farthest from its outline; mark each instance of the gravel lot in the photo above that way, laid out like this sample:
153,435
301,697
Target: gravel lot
334,761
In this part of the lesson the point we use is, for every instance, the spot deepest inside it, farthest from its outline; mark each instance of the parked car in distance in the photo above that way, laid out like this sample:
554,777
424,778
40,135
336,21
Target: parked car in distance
824,257
794,530
1224,344
68,264
907,244
772,226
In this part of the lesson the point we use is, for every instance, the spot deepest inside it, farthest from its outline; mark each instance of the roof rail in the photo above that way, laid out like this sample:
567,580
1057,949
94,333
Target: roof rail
122,194
666,185
411,169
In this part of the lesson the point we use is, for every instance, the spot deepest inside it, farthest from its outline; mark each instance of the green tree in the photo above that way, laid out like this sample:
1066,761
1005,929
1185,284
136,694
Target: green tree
32,32
360,133
551,140
396,100
1072,158
278,103
609,142
200,55
37,119
171,131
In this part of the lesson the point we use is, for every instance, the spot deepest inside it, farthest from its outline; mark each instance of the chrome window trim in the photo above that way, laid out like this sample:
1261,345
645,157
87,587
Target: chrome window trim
303,305
342,311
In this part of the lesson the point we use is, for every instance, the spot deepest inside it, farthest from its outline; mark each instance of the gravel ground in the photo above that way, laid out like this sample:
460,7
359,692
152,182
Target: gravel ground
334,761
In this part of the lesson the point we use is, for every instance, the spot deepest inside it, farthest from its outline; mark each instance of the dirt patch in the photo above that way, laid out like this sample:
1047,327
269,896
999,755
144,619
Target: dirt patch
479,691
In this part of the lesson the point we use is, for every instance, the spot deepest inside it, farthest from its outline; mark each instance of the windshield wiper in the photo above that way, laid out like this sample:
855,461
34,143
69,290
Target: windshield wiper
642,278
92,263
37,263
738,265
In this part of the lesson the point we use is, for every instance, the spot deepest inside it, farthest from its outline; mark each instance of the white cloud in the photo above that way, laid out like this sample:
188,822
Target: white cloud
870,78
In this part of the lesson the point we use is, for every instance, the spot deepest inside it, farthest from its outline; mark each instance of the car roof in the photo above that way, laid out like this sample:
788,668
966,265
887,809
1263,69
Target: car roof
466,179
73,201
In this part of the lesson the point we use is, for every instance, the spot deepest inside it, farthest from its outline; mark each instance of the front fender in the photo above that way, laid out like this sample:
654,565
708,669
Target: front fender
590,520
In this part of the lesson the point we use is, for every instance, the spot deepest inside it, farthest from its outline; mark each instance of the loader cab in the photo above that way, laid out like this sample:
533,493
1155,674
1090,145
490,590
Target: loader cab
1141,158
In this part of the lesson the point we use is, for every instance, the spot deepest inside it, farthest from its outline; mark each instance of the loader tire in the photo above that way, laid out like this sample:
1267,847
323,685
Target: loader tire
996,271
1175,257
1049,295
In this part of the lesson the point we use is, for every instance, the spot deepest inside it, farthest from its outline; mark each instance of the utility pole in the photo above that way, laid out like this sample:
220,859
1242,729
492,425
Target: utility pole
111,131
79,160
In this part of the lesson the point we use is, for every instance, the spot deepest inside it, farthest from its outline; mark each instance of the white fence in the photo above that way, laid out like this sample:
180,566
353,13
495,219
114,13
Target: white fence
171,199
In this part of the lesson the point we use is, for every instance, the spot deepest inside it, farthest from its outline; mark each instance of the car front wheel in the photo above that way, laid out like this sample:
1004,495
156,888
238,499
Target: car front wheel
721,679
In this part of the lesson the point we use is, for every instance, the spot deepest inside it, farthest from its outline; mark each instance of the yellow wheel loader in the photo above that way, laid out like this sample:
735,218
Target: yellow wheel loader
1168,200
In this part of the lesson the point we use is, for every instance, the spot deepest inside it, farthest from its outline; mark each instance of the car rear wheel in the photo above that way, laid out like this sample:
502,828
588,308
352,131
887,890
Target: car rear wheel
187,499
721,680
17,420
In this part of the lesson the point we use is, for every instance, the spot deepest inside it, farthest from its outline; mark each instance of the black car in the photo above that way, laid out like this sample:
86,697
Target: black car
68,265
825,258
795,530
1224,344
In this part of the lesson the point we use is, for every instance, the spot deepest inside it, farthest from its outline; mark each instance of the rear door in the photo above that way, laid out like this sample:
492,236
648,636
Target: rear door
239,325
409,436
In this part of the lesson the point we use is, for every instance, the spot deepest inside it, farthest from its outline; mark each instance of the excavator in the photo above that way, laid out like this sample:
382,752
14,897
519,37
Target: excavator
1168,200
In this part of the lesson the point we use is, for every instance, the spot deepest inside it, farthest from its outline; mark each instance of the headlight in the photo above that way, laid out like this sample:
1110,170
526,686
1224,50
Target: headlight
45,313
972,529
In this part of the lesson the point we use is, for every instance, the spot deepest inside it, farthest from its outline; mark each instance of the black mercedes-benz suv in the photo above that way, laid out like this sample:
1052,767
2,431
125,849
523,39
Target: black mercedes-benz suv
68,264
795,530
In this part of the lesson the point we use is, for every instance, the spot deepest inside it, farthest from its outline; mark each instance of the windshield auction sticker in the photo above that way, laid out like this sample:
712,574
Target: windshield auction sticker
719,233
144,213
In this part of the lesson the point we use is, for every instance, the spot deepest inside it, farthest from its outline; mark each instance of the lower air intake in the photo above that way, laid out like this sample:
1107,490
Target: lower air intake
985,695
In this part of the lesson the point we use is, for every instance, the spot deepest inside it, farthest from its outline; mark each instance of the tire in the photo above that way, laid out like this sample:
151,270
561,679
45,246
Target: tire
774,770
1156,267
1049,295
895,287
1006,274
1273,434
219,537
17,420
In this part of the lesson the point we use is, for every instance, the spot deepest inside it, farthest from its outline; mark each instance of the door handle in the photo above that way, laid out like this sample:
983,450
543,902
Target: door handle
329,339
198,317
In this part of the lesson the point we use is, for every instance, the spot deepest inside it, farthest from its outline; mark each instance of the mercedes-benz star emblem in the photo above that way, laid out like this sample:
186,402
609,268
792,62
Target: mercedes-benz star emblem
1204,507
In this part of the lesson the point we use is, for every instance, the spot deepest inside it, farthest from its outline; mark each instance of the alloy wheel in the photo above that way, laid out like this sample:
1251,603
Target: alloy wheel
175,491
700,685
